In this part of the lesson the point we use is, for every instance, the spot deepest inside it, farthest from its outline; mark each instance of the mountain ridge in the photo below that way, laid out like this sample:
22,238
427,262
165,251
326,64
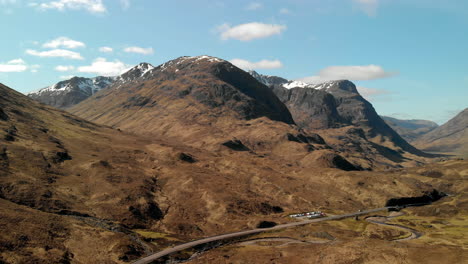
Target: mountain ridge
68,93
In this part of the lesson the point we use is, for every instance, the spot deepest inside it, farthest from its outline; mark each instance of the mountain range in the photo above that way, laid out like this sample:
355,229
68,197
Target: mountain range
158,105
197,147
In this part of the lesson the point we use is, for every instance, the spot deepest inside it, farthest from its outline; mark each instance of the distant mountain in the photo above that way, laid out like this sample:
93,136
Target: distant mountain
450,138
70,92
338,104
410,130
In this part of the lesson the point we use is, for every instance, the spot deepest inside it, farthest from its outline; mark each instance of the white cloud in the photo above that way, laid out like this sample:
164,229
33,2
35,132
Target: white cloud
367,6
254,6
250,31
63,42
16,61
63,68
66,77
16,65
354,73
263,64
144,51
93,6
56,53
106,49
285,11
101,66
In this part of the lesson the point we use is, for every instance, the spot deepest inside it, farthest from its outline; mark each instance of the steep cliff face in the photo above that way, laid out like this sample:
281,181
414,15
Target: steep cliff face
311,108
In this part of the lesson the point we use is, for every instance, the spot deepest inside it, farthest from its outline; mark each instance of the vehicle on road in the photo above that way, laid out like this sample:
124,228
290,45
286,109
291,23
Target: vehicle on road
312,214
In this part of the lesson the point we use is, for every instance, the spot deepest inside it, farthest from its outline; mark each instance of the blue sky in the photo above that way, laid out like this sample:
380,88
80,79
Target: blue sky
408,57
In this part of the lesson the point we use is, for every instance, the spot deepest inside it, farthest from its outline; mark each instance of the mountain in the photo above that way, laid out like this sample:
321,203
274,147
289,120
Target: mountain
196,90
450,138
410,130
70,92
73,191
267,79
336,106
67,93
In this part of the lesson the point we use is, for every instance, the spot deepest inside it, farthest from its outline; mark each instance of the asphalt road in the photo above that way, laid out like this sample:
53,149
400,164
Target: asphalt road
194,243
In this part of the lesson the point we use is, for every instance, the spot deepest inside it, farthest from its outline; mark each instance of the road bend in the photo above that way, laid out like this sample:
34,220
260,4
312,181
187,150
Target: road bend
202,241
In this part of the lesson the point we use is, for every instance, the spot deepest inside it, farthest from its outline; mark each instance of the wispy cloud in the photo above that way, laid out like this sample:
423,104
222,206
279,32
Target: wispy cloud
140,50
92,6
101,66
263,64
66,77
17,65
125,4
57,53
254,6
285,11
106,49
250,31
367,6
354,73
63,42
63,68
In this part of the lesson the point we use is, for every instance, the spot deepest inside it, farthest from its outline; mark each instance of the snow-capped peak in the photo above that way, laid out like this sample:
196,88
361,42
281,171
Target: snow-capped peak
295,84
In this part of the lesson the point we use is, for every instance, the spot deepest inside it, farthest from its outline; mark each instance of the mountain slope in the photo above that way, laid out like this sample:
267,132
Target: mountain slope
185,92
76,190
336,106
410,130
70,92
451,137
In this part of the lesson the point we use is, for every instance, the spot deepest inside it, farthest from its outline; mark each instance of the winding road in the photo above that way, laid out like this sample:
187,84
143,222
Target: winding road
378,220
195,243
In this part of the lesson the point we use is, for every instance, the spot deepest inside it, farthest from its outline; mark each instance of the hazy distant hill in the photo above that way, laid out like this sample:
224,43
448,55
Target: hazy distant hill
451,137
410,130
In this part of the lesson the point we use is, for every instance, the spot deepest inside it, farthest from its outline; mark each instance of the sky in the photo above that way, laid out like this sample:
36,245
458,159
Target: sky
409,58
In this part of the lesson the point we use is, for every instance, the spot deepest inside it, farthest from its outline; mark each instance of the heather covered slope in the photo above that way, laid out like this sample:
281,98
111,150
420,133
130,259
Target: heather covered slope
449,138
201,89
90,186
102,195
